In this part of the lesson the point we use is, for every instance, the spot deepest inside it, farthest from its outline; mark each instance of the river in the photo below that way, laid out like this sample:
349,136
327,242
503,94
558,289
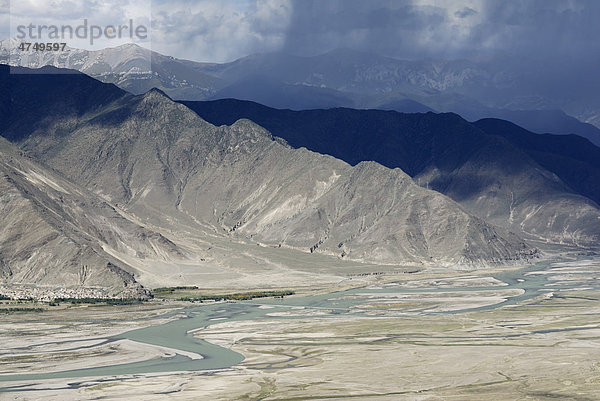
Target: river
178,333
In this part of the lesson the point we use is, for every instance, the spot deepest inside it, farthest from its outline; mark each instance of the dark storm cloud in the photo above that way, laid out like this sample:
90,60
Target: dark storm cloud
554,44
388,27
446,29
542,28
558,38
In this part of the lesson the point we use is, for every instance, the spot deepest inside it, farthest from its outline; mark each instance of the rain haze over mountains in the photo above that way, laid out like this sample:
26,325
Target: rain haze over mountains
530,62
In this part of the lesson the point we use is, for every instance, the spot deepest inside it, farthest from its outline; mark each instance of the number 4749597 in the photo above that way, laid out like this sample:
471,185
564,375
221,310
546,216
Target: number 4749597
42,47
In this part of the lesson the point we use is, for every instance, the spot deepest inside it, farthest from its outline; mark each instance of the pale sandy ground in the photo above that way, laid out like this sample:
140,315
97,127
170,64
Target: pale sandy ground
75,338
547,348
461,281
77,356
436,301
237,264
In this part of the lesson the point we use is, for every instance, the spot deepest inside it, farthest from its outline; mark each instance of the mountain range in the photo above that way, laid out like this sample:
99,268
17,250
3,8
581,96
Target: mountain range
525,182
168,198
106,188
341,78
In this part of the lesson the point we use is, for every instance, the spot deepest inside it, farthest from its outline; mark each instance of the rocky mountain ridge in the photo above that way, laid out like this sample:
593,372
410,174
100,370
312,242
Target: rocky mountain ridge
340,78
541,186
169,169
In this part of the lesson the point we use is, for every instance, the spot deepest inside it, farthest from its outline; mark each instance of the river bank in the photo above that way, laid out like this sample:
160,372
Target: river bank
286,345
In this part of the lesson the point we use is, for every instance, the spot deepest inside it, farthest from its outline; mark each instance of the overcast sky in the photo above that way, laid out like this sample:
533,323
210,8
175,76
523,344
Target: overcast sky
224,30
213,30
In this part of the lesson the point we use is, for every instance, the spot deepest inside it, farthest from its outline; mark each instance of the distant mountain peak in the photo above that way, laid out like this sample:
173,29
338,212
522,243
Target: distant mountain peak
128,46
155,92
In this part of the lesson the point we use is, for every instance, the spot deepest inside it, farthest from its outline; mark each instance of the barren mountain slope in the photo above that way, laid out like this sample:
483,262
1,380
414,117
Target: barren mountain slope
57,234
543,186
160,161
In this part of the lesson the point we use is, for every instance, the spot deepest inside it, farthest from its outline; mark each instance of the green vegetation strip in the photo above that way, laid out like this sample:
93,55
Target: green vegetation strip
170,290
107,301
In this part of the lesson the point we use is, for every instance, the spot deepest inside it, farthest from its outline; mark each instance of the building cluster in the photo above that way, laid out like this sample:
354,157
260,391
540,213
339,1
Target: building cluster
48,294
